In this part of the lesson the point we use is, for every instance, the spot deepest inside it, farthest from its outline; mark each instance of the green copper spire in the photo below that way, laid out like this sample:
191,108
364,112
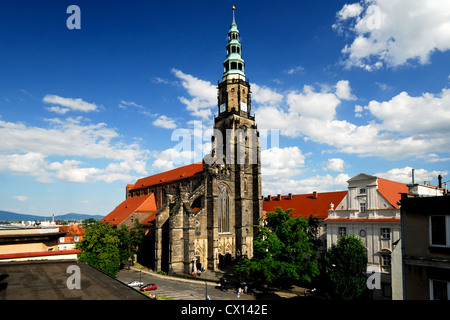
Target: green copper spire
234,64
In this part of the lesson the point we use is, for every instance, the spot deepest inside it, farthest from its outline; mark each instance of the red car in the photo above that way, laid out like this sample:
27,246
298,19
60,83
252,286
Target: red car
148,287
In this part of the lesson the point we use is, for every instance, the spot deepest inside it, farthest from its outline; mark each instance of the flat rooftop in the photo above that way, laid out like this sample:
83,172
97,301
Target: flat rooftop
47,280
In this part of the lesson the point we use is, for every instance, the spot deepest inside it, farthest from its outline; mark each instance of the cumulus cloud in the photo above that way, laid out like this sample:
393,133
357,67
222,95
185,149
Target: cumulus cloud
165,122
404,175
69,104
393,32
398,129
29,150
305,185
281,162
335,164
203,95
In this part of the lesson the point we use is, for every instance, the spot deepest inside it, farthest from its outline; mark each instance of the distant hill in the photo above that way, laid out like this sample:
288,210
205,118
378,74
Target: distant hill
12,216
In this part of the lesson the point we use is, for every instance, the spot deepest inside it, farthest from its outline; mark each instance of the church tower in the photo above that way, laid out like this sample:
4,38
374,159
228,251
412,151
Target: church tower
233,172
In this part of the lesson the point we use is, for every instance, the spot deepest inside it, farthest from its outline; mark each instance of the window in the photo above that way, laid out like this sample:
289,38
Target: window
386,260
362,207
439,290
385,233
362,190
440,231
342,231
223,209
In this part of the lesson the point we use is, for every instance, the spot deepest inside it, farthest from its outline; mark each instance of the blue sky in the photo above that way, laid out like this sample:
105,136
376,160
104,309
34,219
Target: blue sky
349,87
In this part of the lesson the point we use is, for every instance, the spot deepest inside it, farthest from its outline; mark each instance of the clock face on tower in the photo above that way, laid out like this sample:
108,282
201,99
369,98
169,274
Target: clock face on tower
222,107
243,106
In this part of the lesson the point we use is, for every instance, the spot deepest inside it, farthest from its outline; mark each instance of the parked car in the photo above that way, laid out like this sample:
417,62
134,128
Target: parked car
148,287
136,284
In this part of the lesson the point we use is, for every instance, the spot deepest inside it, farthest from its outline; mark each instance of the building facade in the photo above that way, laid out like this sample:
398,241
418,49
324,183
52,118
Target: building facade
371,211
426,247
203,215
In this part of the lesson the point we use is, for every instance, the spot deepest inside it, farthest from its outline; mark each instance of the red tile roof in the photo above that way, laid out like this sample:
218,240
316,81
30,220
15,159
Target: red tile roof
144,203
169,176
391,190
305,205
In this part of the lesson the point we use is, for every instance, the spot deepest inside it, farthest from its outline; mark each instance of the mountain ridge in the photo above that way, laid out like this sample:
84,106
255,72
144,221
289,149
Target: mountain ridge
13,216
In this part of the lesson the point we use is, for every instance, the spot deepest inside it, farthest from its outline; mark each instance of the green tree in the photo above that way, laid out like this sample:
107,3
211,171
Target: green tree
346,263
100,247
283,251
130,239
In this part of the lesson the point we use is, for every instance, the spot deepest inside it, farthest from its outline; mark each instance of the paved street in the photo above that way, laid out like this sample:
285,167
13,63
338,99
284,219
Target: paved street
182,289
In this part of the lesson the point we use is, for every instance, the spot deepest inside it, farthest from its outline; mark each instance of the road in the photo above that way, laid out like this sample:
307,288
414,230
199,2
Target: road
181,289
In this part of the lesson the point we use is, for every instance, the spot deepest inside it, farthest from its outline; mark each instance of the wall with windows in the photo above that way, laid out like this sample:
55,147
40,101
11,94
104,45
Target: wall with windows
426,236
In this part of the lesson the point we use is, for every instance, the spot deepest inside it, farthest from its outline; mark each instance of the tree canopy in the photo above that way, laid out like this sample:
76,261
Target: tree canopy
346,264
284,250
107,248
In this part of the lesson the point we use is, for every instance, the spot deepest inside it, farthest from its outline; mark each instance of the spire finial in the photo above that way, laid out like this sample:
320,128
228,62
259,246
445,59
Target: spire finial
234,8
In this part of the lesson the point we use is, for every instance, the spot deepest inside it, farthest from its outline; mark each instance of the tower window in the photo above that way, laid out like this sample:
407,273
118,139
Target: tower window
233,49
233,65
240,66
223,209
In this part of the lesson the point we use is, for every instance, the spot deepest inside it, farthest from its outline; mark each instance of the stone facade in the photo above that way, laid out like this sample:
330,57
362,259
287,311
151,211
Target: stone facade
206,213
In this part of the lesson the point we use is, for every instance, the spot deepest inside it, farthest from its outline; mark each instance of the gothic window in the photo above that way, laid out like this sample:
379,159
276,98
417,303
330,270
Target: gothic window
223,209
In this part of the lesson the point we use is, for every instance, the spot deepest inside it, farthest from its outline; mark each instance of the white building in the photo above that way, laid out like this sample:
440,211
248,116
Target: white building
370,210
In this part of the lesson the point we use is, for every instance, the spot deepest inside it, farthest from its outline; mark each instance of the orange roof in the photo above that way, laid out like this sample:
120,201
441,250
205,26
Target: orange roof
391,190
169,176
305,205
72,231
144,203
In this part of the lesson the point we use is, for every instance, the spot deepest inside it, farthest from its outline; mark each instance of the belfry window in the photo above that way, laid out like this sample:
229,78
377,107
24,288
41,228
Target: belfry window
233,65
223,209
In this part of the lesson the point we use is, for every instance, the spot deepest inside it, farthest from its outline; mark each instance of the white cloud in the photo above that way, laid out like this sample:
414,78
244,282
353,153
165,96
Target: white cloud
394,32
343,90
335,164
314,105
21,198
28,151
172,158
265,96
165,122
281,162
427,114
69,103
306,185
295,70
404,175
400,127
203,93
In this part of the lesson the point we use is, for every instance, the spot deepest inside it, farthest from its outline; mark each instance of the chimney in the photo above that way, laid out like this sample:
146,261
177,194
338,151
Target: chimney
279,197
440,181
290,196
314,194
270,198
412,176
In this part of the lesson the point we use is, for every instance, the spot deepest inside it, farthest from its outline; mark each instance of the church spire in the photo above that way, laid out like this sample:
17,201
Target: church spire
234,65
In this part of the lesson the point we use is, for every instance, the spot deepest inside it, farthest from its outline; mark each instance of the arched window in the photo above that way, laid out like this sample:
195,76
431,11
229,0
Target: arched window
223,209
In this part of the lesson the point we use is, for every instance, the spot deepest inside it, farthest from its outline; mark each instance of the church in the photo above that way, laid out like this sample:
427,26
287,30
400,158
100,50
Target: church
203,215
